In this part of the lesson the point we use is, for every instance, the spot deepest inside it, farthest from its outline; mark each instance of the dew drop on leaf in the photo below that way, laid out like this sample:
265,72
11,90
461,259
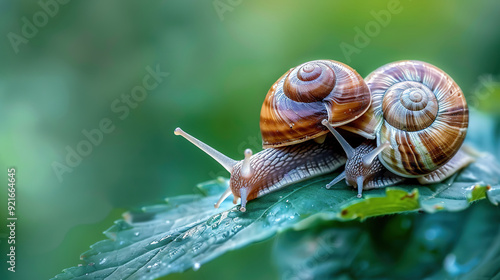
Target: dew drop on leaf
196,266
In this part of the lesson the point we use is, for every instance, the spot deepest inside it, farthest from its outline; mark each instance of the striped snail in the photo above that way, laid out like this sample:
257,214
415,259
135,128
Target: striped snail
296,143
420,117
416,113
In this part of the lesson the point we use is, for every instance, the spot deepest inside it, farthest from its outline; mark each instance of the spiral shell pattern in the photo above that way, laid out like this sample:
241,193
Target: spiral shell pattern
423,114
297,103
310,82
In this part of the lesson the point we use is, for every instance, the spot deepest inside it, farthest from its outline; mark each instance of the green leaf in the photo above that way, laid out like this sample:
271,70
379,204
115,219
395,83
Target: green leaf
478,192
187,231
459,245
395,200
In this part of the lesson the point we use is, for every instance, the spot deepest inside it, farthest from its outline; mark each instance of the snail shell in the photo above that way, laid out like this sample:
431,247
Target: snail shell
421,112
305,95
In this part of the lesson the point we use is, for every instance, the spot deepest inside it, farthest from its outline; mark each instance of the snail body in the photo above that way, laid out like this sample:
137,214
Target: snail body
273,168
291,117
420,118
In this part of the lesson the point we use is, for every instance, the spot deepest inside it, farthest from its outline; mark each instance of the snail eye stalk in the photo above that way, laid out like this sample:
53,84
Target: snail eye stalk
226,162
349,151
246,169
368,158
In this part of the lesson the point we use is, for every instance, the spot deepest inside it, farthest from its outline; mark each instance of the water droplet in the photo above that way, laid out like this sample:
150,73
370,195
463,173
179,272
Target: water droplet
196,266
197,246
103,261
175,253
236,228
137,233
155,266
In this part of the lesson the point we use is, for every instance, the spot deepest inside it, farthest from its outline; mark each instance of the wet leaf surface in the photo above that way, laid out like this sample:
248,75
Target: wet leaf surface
457,245
187,231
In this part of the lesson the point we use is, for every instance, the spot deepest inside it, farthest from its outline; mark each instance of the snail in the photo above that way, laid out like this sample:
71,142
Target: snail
296,143
420,117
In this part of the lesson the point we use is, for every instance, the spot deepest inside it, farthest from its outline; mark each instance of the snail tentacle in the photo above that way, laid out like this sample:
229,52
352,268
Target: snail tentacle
360,181
243,195
246,169
347,148
227,162
368,158
339,178
223,197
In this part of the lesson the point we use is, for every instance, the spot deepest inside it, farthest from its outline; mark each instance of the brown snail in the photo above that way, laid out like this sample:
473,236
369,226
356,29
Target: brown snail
291,117
420,119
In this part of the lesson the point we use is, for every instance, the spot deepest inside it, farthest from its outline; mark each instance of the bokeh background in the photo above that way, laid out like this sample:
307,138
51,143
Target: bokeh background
63,76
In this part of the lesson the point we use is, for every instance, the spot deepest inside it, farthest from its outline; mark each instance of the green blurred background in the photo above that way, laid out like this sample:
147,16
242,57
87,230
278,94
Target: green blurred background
222,56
